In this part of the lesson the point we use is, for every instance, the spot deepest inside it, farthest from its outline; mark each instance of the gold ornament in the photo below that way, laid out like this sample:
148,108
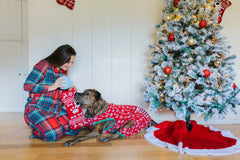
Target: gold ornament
191,41
217,63
162,99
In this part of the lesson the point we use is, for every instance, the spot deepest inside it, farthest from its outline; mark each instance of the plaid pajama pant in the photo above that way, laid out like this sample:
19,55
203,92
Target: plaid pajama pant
48,126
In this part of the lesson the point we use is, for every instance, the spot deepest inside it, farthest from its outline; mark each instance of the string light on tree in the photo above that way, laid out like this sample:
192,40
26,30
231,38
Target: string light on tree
168,17
178,17
214,39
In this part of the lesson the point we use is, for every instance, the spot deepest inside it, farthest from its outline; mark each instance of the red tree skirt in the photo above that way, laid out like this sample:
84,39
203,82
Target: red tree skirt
200,140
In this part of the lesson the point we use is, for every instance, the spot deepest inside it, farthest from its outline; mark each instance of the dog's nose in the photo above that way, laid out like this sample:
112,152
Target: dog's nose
75,98
75,95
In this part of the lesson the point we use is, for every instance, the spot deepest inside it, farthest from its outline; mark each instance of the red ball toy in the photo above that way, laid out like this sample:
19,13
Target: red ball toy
171,37
203,24
234,86
167,70
207,73
175,3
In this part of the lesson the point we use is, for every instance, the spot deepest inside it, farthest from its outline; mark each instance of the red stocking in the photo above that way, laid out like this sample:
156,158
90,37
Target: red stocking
68,3
221,6
74,111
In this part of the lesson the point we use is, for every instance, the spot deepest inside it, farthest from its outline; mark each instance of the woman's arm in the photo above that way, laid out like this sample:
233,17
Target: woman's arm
34,81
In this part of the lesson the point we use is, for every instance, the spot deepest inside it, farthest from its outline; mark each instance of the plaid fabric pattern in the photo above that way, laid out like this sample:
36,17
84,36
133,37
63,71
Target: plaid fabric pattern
46,125
43,111
40,78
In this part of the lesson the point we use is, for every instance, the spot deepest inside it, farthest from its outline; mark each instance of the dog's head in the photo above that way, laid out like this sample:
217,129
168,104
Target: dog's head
88,98
91,100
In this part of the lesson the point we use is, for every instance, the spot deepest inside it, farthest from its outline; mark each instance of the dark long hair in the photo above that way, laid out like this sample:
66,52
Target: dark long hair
61,55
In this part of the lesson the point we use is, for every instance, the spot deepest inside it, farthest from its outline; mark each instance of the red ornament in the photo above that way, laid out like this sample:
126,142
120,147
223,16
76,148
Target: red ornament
175,3
234,86
68,3
167,70
171,37
207,73
203,24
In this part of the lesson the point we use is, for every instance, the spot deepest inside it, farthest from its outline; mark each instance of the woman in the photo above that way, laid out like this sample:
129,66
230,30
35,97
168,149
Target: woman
43,111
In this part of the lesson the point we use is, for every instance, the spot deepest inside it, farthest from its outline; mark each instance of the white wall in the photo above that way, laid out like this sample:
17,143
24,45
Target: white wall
111,38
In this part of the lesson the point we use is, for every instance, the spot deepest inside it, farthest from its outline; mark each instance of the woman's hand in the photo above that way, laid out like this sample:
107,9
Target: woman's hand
57,84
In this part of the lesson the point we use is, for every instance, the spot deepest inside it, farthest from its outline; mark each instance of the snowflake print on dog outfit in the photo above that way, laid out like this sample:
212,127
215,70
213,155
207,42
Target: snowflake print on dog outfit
120,115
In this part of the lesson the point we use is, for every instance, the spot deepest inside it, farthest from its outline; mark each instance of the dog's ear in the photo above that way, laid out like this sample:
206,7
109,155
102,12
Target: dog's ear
97,95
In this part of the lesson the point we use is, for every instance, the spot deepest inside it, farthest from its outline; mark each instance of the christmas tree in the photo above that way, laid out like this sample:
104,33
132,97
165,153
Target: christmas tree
191,65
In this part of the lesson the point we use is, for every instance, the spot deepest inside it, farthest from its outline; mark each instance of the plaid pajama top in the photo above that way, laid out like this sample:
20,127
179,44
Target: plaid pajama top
41,77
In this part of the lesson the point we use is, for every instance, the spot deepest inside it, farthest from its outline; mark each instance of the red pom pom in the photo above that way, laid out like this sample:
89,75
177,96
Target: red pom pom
171,37
206,72
203,24
234,86
167,70
175,3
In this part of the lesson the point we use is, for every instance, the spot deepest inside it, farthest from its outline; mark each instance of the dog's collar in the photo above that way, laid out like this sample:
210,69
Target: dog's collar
104,109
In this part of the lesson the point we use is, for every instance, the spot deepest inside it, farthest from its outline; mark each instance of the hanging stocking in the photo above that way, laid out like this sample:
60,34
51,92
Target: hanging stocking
68,3
221,6
74,111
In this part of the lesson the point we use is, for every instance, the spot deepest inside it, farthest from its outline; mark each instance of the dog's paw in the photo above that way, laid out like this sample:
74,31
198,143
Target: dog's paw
69,143
114,131
104,139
